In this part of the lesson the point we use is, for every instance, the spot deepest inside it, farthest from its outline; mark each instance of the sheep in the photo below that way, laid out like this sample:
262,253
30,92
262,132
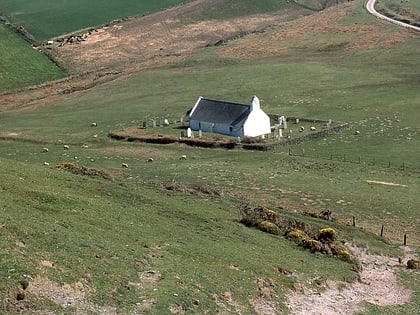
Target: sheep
302,129
66,147
357,132
85,146
94,124
50,42
44,149
124,165
150,159
46,164
95,136
183,157
313,128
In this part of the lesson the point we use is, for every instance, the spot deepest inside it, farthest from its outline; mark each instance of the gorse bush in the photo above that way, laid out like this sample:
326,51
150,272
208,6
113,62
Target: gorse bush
327,235
269,227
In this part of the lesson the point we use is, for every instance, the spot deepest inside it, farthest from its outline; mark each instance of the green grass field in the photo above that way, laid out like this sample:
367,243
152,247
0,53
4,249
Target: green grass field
135,245
409,11
20,65
46,19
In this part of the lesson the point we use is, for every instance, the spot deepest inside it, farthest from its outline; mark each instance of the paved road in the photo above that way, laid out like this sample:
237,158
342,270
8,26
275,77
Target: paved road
370,6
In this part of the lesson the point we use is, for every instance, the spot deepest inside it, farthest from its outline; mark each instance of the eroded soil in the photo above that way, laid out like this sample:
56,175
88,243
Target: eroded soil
378,284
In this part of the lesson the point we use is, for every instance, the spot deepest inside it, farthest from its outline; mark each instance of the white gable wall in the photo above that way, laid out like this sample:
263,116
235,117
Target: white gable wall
258,122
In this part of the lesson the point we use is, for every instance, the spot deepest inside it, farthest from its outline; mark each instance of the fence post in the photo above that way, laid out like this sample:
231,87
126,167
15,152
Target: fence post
405,239
354,221
382,230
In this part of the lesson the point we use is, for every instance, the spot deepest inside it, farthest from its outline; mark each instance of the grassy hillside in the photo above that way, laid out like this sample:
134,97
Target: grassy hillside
130,244
116,238
408,11
108,235
20,65
45,19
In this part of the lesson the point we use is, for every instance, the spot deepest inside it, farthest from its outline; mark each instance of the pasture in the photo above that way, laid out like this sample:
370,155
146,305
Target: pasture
46,19
21,65
131,244
404,10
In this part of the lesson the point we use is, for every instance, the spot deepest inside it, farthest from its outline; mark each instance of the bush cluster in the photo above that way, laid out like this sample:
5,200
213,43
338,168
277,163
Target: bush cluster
323,240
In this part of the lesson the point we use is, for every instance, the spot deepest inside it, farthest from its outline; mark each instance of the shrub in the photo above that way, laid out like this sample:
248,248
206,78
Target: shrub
298,236
413,264
270,215
251,216
313,245
327,235
66,165
342,252
269,227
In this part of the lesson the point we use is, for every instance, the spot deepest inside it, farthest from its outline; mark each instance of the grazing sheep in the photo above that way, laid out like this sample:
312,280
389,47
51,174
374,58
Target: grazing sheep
124,165
46,164
94,124
183,157
313,128
95,136
44,149
66,147
85,146
150,160
357,132
302,129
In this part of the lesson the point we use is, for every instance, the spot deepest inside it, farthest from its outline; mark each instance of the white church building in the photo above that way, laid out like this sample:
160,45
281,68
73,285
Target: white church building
233,119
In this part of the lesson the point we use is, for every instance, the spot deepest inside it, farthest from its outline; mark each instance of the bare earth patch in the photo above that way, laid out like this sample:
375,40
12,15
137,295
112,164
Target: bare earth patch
163,34
385,183
377,285
301,32
74,295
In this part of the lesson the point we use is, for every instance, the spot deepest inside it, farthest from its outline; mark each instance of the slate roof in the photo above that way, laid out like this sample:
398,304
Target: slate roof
220,112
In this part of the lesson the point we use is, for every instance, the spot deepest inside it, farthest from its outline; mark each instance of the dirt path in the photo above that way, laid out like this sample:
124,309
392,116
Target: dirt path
378,284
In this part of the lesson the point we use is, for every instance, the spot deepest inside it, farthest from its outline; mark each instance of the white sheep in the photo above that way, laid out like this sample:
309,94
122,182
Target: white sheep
302,129
66,147
44,149
124,165
150,159
357,132
85,146
46,164
95,136
183,157
94,124
313,128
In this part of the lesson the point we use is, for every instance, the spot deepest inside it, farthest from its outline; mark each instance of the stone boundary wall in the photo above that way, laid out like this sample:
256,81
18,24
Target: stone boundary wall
309,136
